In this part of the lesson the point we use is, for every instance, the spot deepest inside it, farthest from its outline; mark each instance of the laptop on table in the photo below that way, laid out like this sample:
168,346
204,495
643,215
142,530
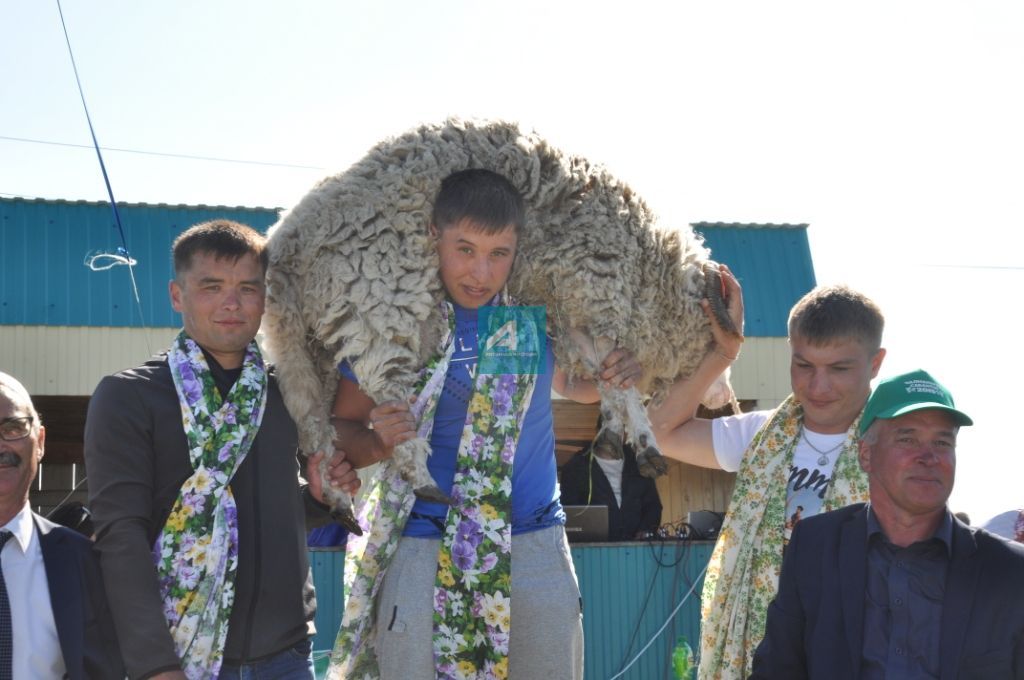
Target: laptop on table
586,523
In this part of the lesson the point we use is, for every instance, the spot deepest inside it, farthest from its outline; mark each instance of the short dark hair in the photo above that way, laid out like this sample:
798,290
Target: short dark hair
220,238
830,313
483,196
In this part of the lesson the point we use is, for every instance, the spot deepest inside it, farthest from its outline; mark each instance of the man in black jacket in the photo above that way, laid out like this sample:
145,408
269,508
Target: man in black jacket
898,587
606,473
199,509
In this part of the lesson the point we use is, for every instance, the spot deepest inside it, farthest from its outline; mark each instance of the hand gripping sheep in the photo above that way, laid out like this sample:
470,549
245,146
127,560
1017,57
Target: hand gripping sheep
353,276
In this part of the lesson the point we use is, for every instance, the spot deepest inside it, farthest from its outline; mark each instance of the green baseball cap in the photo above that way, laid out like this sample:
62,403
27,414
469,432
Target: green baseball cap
906,393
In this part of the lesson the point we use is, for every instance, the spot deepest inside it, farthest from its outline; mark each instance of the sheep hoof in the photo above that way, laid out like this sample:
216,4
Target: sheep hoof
715,292
651,462
345,518
432,494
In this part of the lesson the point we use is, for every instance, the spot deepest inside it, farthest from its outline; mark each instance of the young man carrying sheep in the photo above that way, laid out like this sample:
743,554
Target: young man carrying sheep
803,453
485,587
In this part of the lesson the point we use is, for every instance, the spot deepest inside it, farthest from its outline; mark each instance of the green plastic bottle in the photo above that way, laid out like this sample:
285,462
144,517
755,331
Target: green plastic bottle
682,659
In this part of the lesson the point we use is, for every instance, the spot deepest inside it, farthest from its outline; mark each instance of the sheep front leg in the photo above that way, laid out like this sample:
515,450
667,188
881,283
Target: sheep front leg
320,434
623,410
339,501
628,407
411,459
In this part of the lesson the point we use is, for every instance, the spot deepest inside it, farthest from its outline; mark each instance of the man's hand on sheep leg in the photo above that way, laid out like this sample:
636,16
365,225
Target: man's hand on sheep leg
622,408
340,478
680,433
370,432
725,314
366,430
620,373
392,423
339,474
394,426
728,337
621,369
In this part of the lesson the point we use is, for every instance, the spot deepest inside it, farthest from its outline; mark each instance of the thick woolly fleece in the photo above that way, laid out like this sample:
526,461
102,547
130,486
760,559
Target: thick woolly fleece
353,274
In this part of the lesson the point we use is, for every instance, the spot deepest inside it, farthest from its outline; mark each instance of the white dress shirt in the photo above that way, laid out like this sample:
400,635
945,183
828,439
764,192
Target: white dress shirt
613,471
37,652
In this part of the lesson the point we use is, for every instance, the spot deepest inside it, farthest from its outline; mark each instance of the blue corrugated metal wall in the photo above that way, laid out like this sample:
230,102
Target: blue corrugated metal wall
629,591
772,263
44,244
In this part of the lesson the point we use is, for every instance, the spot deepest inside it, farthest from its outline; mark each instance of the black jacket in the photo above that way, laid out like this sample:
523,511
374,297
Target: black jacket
815,625
583,482
85,629
136,456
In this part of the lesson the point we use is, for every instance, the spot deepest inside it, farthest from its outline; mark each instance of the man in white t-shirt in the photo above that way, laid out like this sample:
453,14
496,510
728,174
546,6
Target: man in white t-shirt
793,462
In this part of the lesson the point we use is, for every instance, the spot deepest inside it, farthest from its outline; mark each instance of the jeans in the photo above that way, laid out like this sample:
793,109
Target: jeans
295,663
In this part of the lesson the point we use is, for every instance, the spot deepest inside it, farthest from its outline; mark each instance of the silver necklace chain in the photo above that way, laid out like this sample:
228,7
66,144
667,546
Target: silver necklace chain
823,456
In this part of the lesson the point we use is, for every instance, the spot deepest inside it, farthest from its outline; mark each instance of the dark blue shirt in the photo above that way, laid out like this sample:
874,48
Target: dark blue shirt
903,603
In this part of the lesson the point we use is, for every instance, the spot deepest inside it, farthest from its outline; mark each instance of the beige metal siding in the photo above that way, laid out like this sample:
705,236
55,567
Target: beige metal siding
70,360
762,371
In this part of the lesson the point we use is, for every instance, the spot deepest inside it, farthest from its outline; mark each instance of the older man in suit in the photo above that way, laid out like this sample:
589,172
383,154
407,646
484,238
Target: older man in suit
898,587
54,620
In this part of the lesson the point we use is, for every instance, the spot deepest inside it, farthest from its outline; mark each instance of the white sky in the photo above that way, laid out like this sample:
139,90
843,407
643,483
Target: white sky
893,128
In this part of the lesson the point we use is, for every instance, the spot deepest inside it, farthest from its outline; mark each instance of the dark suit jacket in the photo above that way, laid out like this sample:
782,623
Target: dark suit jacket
84,626
641,506
816,622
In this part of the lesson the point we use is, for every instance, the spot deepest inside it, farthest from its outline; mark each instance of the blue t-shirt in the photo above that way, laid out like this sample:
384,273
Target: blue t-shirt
535,494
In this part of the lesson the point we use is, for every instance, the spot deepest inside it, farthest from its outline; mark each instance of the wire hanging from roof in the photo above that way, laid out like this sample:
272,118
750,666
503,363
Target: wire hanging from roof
122,257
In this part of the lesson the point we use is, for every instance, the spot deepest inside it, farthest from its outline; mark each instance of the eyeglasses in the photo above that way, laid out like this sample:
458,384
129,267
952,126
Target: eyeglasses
13,429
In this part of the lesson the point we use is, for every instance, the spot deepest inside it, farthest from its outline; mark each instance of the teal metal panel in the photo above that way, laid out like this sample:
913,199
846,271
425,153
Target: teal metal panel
328,565
629,591
773,264
44,245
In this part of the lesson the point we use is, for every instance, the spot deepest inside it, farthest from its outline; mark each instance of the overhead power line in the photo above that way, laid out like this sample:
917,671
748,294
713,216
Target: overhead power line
160,153
1006,267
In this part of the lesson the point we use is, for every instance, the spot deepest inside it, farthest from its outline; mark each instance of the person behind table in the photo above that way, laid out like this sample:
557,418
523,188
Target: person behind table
505,531
194,484
803,453
54,617
606,473
898,587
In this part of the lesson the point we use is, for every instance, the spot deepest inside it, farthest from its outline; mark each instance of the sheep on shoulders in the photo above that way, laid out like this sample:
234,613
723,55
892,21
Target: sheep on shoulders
353,276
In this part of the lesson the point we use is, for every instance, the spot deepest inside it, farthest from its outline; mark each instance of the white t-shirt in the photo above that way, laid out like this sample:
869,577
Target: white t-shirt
808,480
613,471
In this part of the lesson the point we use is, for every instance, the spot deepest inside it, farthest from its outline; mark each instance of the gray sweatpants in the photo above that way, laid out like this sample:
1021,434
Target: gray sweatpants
546,641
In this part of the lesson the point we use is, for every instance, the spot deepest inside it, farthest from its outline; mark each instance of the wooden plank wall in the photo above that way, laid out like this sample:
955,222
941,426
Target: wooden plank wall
684,488
62,468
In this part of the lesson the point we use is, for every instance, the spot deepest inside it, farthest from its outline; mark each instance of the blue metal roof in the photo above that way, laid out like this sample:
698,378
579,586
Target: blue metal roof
44,244
773,264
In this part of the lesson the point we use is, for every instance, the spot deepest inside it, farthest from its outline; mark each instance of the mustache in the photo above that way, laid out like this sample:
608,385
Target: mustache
9,459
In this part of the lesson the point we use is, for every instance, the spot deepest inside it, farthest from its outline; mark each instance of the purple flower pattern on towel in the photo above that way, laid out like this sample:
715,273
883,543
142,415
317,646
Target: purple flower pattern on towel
196,553
472,599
